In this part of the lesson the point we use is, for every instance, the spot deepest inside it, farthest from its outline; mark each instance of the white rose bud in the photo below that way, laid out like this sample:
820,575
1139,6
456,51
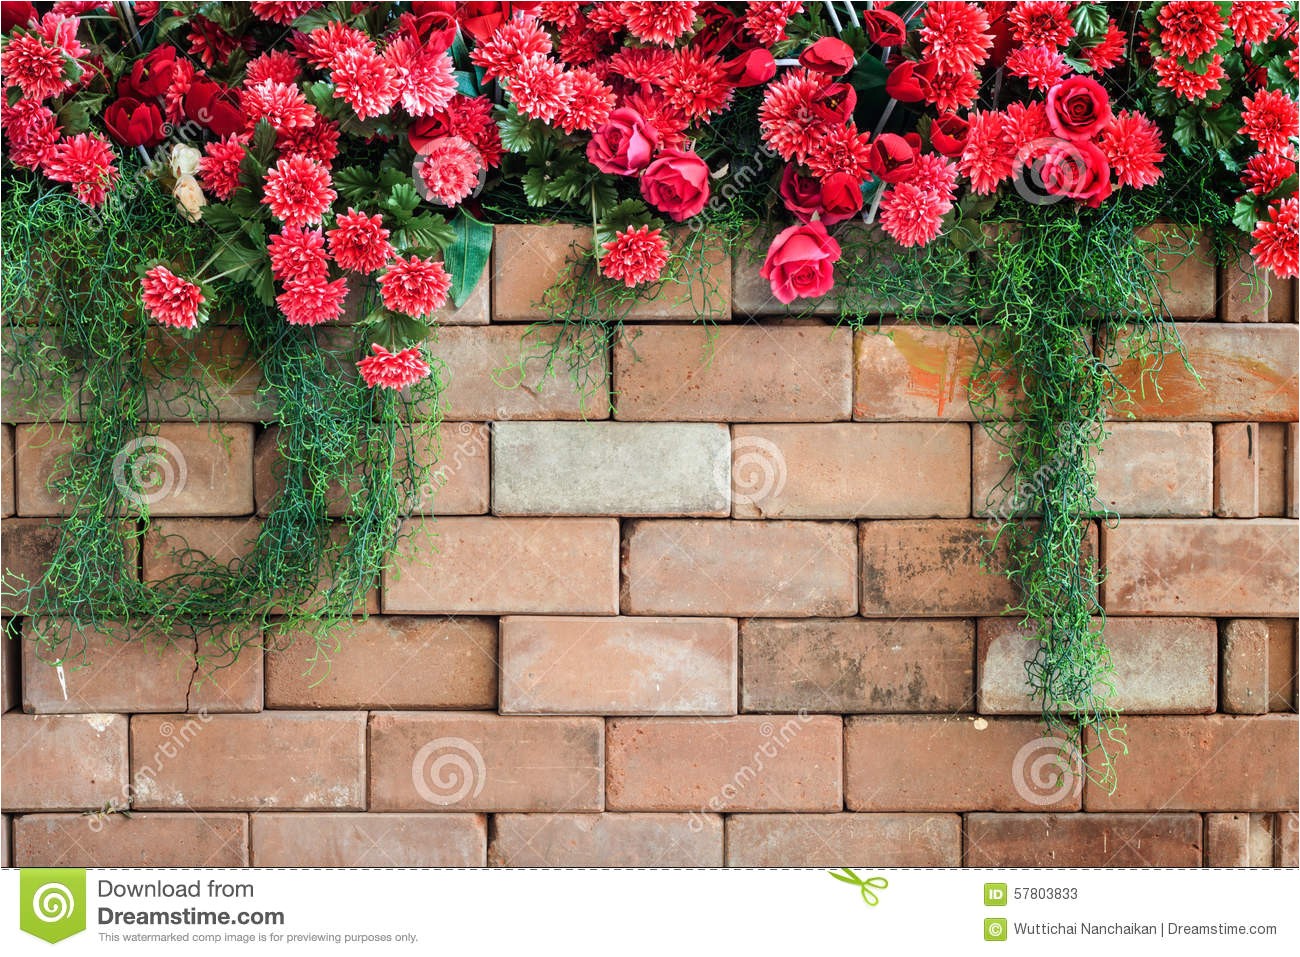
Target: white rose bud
189,198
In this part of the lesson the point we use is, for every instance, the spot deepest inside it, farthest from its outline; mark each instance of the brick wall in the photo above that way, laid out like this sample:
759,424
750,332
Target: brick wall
740,621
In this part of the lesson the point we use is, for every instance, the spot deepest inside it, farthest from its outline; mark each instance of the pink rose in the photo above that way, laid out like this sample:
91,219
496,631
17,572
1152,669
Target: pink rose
677,183
801,262
624,144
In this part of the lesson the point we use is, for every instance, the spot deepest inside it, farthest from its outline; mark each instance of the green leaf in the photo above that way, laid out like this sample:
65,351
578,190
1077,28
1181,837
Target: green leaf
1221,126
1089,21
402,200
263,144
536,187
1245,214
356,184
74,117
223,219
263,284
467,256
424,234
518,132
1185,129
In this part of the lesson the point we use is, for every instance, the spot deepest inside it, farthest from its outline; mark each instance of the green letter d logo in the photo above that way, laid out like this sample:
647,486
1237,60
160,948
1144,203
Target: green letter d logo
52,902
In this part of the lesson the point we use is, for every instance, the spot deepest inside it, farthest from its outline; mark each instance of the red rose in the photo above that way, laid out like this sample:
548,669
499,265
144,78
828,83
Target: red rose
624,144
884,28
150,75
1077,170
948,135
751,68
133,123
425,129
1078,108
801,263
677,183
436,29
213,106
907,81
833,200
829,55
802,195
841,197
17,14
892,158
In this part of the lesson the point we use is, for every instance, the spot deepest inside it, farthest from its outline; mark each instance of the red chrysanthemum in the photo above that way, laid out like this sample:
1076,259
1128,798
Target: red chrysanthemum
33,66
641,64
661,22
169,299
788,121
331,41
1132,145
514,42
1277,239
1042,23
283,12
1107,52
955,35
210,43
694,84
1186,84
1265,173
319,142
181,81
987,159
1041,66
1025,124
841,149
579,44
766,19
949,92
911,215
311,300
298,253
561,13
280,104
934,174
1255,21
538,88
1189,28
279,65
450,169
414,286
298,191
470,118
588,103
667,120
219,167
393,370
426,81
32,130
86,162
359,242
1270,120
366,82
635,256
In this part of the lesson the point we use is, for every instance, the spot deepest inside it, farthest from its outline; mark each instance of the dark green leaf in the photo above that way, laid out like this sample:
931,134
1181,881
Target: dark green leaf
468,254
424,234
356,184
1244,213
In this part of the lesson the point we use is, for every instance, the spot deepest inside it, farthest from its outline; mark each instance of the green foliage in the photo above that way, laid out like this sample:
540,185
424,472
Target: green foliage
467,255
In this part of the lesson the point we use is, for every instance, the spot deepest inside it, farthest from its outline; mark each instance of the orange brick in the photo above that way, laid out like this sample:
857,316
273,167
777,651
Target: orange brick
1244,652
746,763
1292,470
1247,294
391,661
1201,567
1239,840
852,665
1204,763
938,763
1272,469
760,569
1287,850
1236,470
141,840
1187,261
27,544
10,664
505,566
741,373
26,395
606,840
608,666
223,362
226,762
369,840
485,762
1083,840
58,762
914,373
1282,664
831,840
6,471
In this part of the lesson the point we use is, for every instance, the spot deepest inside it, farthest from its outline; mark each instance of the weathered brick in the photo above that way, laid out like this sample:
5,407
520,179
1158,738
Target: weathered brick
831,840
505,566
606,840
1244,653
223,362
741,373
528,260
855,666
759,569
1272,468
850,470
558,665
392,661
939,763
1201,567
1248,294
27,545
1143,468
1204,763
1238,840
10,665
141,840
6,470
1248,373
1162,665
236,761
745,763
26,393
1186,260
476,310
1282,664
1236,470
136,669
914,373
1287,847
485,762
600,468
495,373
1083,840
369,840
58,762
1292,470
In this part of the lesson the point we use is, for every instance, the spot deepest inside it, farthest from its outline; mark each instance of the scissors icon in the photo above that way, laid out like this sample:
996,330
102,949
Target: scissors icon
865,885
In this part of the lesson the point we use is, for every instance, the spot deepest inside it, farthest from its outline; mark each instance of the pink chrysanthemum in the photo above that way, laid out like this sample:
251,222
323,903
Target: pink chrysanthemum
1042,23
331,41
1041,66
955,35
514,42
1025,124
311,300
641,64
987,159
298,191
1270,120
1189,28
59,30
766,19
694,84
1132,145
911,215
319,142
1277,239
414,286
359,242
787,119
1255,21
393,370
1265,173
425,79
297,253
561,13
450,169
538,88
283,12
279,65
280,104
949,92
33,66
841,149
366,82
169,299
219,167
178,89
86,162
662,22
1186,84
667,120
589,101
635,256
32,130
934,174
1107,52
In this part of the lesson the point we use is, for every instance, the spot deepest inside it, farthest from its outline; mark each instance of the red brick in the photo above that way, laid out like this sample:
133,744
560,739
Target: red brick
6,470
1247,294
25,400
369,840
1245,656
831,840
138,670
505,566
485,762
938,763
1204,763
231,762
742,373
391,661
1287,848
141,840
914,373
224,364
1187,286
1083,840
607,666
1282,664
1236,470
58,762
10,664
760,569
28,547
746,763
850,470
1272,469
1292,470
1201,567
1238,840
852,665
606,840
